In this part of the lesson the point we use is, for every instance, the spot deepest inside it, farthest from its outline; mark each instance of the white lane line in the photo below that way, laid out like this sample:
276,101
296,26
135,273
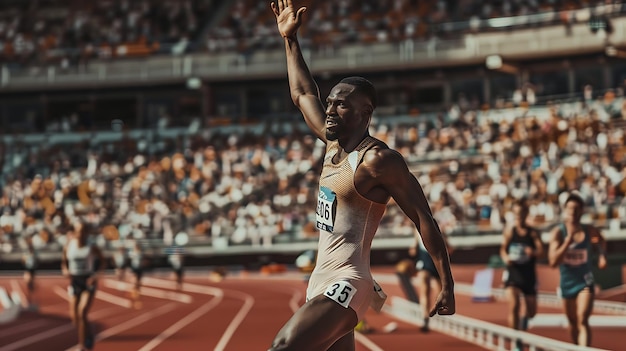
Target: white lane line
366,342
201,289
188,287
17,289
146,291
61,292
23,327
131,323
52,332
174,328
110,298
234,324
37,337
104,296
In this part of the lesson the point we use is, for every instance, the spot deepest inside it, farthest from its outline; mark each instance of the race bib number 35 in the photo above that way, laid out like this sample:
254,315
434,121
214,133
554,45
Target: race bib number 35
326,208
341,292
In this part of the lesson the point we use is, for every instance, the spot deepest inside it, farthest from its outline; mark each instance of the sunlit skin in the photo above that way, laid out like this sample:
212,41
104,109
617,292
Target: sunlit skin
345,114
578,309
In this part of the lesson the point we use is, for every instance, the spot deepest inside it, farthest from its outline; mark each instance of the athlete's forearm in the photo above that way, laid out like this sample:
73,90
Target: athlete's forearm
436,247
301,81
556,255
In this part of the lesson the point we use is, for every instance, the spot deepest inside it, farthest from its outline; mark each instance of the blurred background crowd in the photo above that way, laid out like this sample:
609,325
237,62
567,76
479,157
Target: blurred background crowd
256,183
69,33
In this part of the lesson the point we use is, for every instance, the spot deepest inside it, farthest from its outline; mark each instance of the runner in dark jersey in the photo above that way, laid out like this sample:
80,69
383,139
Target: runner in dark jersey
521,246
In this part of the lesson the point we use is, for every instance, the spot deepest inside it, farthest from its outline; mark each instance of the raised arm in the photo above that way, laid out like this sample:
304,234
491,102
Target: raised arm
389,170
539,251
304,91
558,246
504,246
64,265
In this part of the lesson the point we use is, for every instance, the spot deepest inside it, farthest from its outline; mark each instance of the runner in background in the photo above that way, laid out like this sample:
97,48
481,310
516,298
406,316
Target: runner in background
83,263
570,249
427,277
176,258
30,262
521,247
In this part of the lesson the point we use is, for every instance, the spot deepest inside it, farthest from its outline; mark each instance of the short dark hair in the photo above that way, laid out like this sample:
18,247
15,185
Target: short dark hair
363,86
576,198
521,202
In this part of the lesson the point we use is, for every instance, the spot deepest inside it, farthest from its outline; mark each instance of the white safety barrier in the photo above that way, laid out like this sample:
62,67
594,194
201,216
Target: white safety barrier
487,335
551,300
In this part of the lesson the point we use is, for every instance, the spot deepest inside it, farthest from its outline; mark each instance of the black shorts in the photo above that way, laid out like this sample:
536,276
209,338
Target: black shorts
426,263
138,272
525,280
78,285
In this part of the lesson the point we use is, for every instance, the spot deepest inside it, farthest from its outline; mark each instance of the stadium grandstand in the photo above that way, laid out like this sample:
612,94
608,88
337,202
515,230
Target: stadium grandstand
163,119
198,135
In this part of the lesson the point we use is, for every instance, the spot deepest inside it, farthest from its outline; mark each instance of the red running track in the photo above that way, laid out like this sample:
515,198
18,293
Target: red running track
240,313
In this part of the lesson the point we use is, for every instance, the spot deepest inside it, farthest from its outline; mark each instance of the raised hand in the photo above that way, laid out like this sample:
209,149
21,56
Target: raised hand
445,304
287,19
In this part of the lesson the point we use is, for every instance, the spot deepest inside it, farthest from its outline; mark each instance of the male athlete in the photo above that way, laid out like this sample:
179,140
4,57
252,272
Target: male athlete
360,175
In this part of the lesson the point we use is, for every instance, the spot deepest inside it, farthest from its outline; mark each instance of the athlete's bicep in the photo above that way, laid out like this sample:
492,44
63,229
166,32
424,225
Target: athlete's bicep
404,188
314,114
506,240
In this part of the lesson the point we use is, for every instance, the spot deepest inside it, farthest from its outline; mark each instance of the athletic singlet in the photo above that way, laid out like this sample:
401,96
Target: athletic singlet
347,222
521,272
576,271
135,258
30,260
80,260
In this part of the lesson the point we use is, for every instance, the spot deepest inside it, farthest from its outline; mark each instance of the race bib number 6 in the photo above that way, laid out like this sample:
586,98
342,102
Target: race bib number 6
341,292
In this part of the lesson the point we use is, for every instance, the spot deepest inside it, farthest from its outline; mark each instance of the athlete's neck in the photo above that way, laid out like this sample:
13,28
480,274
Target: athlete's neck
350,143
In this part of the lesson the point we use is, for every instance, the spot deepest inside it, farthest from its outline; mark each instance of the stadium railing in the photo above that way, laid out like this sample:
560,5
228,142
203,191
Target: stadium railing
487,335
471,49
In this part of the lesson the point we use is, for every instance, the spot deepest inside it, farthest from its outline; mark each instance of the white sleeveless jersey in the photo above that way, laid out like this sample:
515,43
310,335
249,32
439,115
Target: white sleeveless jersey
80,260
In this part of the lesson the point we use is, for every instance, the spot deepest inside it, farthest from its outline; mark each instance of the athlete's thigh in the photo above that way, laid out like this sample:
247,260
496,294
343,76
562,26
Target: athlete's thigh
316,326
346,343
569,306
423,278
531,305
86,298
512,295
584,302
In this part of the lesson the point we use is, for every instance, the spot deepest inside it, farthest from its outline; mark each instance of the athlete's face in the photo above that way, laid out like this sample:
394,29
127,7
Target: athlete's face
573,211
344,111
521,213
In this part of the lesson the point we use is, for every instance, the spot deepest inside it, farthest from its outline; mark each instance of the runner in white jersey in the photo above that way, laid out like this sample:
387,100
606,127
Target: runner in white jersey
30,261
359,177
175,257
82,262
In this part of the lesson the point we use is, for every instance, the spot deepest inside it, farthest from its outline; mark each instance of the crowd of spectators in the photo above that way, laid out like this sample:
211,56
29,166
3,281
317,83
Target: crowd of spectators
40,33
257,185
251,26
68,33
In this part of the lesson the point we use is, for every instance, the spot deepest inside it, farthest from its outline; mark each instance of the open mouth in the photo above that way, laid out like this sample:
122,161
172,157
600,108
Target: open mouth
330,123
